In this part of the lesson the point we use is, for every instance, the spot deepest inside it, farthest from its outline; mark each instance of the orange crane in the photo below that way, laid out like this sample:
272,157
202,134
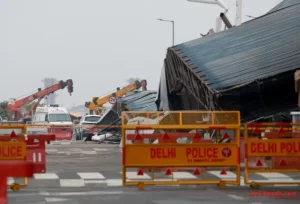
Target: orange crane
15,107
111,98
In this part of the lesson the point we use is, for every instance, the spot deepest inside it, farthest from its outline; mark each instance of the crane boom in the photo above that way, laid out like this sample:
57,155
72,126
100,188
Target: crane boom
16,106
99,101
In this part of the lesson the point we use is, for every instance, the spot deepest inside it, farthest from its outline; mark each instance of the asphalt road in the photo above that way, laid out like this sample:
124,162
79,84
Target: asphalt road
79,173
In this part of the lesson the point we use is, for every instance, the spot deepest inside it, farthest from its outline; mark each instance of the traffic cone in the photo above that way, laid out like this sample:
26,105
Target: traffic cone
197,137
256,131
138,137
165,138
226,136
168,172
259,163
196,172
281,131
282,163
13,134
223,172
140,172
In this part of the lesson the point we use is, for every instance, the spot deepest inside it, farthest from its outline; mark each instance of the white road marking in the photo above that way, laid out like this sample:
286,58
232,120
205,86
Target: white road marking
229,175
236,197
88,193
67,193
65,142
95,181
90,152
51,200
277,177
51,150
62,152
91,175
242,181
44,193
133,175
75,149
46,176
100,150
72,183
114,182
183,175
274,175
10,181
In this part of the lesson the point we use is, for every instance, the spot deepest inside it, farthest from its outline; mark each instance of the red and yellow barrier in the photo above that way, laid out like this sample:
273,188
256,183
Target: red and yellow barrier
31,148
170,155
12,163
271,148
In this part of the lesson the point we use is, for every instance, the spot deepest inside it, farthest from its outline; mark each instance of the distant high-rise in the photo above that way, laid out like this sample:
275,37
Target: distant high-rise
51,98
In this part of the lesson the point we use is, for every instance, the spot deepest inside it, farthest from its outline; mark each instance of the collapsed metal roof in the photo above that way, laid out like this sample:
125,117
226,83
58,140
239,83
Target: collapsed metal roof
140,101
284,4
133,101
248,68
260,48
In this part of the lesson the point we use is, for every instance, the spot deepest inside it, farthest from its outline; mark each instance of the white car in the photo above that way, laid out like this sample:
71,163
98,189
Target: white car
86,124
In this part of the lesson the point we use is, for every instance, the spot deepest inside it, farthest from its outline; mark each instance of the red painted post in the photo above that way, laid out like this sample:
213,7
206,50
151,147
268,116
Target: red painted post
3,189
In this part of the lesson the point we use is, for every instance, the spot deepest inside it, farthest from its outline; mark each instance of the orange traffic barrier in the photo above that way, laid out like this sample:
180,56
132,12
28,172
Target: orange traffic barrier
35,151
169,155
271,148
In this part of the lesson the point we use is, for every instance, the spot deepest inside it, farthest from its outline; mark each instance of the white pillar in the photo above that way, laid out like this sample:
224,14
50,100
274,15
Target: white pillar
238,17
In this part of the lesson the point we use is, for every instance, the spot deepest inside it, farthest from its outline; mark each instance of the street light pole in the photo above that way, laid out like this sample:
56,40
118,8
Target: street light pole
173,28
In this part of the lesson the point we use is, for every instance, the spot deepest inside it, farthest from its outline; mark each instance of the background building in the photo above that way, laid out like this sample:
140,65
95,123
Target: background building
51,98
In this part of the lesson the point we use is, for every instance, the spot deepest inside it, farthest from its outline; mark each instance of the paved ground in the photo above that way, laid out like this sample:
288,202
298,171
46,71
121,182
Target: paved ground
78,173
149,196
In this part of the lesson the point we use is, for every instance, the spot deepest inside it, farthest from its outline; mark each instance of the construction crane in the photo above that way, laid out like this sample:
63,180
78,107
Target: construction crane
111,98
15,108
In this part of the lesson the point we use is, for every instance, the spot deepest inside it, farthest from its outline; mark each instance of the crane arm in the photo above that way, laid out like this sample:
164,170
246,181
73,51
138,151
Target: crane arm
99,101
41,94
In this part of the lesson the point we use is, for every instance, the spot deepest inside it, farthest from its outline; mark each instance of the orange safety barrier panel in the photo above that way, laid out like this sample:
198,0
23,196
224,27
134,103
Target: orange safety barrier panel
35,150
166,153
271,148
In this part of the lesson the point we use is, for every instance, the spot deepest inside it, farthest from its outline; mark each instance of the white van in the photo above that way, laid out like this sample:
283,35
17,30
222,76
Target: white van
57,116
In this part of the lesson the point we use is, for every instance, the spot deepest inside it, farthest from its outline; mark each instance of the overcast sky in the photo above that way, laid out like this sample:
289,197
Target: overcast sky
97,43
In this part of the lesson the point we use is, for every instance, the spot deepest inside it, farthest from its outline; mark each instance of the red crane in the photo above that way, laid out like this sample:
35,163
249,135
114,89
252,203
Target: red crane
15,107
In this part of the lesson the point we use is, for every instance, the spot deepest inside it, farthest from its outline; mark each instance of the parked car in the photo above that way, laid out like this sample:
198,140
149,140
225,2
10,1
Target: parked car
86,125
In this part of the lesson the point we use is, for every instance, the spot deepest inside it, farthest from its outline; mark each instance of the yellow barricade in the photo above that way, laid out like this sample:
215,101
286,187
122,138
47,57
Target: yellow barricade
151,142
6,129
271,148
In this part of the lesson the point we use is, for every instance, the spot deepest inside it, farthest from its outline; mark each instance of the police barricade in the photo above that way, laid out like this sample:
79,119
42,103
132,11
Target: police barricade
35,152
7,128
140,151
65,133
272,148
13,164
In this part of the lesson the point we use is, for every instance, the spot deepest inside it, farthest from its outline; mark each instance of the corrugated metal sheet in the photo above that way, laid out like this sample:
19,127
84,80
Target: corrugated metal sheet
260,48
140,101
284,4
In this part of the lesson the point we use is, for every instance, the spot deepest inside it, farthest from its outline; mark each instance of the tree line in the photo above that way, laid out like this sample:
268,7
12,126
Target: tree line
5,114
